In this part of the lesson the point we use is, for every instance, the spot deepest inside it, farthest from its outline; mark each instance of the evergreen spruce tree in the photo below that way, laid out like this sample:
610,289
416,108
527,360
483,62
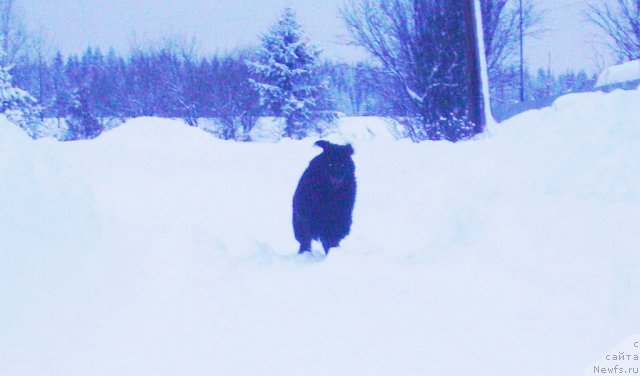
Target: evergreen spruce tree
287,79
81,123
18,105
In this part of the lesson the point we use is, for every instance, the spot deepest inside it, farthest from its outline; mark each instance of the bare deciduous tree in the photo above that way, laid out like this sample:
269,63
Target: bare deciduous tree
421,46
14,37
621,23
501,23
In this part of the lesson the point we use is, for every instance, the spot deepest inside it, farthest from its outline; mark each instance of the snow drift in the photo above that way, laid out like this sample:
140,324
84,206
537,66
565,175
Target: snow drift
158,249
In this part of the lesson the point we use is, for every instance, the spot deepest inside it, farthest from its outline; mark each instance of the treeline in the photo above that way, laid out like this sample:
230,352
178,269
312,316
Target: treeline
147,83
168,82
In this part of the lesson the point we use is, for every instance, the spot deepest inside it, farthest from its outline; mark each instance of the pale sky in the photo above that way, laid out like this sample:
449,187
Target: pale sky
222,25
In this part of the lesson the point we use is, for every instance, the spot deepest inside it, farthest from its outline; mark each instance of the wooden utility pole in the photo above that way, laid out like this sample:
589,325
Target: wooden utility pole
474,76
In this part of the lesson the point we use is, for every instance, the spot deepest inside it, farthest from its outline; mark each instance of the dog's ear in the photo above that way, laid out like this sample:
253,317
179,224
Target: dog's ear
325,145
349,149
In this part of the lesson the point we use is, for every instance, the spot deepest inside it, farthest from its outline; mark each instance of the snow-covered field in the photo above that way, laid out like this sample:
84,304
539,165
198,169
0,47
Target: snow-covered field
157,249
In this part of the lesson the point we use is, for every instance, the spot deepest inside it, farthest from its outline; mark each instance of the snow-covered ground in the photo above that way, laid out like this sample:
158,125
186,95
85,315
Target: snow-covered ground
157,249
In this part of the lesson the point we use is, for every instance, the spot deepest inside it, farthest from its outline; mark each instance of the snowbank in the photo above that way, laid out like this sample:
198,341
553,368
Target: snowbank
159,249
270,129
626,73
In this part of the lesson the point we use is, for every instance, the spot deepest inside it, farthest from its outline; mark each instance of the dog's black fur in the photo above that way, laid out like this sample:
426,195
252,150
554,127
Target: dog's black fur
324,200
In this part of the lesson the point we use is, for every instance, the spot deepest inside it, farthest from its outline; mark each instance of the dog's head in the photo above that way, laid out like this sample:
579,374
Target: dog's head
336,163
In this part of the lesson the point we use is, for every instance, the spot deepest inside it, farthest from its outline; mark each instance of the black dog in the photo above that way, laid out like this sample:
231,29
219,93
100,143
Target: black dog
324,199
